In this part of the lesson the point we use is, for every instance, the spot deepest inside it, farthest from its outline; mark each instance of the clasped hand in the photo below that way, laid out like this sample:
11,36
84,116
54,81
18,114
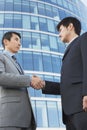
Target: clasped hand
37,82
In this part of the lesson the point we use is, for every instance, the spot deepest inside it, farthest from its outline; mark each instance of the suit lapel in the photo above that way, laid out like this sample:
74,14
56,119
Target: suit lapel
12,62
68,48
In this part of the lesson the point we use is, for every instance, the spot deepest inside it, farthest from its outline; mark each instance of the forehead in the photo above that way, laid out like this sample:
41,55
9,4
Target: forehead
61,27
15,35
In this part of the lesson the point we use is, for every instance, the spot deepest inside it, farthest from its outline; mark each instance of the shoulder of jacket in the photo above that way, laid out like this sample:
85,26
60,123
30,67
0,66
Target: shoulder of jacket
2,56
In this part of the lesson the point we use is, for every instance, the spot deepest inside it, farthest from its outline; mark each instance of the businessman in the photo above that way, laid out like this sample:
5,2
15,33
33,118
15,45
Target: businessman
15,107
73,84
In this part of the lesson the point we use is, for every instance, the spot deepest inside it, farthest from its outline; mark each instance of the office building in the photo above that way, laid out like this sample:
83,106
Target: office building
41,51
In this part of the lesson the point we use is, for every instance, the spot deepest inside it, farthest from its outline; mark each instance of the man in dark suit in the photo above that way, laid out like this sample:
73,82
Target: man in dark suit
73,84
15,108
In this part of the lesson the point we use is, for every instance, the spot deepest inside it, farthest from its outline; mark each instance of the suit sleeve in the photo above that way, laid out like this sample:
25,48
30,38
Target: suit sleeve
84,62
51,88
12,80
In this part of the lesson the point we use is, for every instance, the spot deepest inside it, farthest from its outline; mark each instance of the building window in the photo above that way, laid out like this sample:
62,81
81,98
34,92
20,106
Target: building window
26,40
50,24
53,43
26,21
1,20
17,5
41,112
33,7
52,112
25,6
36,41
56,64
43,24
47,64
37,61
34,23
9,5
41,9
45,42
27,60
17,21
8,20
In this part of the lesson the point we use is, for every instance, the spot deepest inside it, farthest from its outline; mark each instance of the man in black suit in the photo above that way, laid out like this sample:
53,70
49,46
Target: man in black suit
73,85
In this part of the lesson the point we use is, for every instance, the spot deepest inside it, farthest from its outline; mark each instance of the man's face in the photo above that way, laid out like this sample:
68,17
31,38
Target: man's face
64,34
13,45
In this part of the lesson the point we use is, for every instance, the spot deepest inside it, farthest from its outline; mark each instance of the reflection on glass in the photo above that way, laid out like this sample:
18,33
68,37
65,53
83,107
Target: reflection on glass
41,114
47,64
37,61
45,42
36,41
52,114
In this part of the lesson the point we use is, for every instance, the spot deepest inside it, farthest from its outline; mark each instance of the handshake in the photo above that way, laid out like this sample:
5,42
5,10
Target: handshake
37,82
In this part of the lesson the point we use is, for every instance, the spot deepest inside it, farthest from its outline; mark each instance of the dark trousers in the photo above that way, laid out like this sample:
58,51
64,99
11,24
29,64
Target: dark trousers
77,121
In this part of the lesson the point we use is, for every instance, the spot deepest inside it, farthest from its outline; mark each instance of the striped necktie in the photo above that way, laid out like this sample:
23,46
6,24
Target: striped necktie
18,65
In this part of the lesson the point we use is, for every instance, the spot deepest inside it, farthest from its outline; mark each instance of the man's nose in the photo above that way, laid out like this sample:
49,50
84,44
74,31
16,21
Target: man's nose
19,43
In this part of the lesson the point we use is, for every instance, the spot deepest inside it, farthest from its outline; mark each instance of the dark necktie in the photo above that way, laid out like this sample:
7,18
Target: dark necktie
18,65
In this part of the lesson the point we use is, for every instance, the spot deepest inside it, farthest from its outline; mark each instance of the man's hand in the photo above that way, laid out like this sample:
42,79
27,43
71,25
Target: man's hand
37,82
85,103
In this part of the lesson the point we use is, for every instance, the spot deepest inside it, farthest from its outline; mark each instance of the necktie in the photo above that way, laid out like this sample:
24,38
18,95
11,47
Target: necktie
18,65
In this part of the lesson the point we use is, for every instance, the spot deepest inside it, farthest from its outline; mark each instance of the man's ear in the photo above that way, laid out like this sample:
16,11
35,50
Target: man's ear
70,27
5,41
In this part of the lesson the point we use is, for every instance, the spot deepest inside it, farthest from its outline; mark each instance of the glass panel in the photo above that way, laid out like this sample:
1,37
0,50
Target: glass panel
27,60
41,9
60,114
56,64
9,5
31,91
34,23
43,24
50,24
53,43
61,46
2,3
65,3
25,6
41,114
17,21
36,41
52,112
17,5
47,64
26,40
56,13
34,107
53,1
45,42
37,60
26,21
1,20
33,7
62,13
59,2
8,20
1,34
49,11
71,7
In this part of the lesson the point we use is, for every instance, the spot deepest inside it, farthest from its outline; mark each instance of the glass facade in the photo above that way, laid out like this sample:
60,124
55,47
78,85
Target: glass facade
41,51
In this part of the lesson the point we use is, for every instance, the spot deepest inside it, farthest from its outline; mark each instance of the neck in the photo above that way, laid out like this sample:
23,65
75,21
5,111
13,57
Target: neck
72,37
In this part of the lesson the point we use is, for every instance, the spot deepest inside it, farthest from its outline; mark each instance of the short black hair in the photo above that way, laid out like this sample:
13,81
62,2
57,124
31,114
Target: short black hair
8,36
66,21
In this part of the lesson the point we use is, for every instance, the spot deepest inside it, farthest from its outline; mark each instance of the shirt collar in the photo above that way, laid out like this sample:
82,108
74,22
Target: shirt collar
8,53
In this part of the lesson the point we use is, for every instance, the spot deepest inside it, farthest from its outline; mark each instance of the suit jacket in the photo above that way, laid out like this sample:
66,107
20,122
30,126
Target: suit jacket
15,106
73,85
